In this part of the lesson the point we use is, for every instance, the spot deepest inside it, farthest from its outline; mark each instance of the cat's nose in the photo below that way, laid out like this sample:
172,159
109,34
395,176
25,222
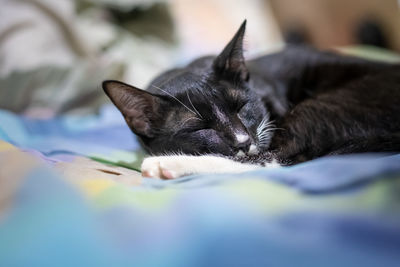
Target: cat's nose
242,141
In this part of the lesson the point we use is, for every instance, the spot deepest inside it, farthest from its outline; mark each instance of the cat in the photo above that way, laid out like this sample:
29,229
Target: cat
224,114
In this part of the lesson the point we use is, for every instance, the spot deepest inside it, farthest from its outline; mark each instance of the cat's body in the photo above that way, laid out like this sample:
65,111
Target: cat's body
334,104
287,107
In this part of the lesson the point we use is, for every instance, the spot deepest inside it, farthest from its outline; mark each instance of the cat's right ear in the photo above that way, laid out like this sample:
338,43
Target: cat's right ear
139,108
230,62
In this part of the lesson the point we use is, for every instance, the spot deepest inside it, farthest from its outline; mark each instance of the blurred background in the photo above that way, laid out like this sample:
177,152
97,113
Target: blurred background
54,54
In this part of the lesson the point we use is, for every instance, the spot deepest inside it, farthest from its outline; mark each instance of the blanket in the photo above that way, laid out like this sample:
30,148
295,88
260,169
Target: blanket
70,195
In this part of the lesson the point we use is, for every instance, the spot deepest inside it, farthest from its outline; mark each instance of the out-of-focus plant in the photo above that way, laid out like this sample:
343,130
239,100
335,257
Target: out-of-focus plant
141,18
121,39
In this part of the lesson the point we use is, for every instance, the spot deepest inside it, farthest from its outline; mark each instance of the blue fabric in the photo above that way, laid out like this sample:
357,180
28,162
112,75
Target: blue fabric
86,135
333,211
52,225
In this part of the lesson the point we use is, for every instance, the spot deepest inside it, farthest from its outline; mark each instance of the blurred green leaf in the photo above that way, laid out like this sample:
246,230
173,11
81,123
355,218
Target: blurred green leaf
61,89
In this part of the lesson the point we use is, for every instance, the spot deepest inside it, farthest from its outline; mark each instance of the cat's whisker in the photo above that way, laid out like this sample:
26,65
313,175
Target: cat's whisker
264,123
188,119
174,98
264,131
198,113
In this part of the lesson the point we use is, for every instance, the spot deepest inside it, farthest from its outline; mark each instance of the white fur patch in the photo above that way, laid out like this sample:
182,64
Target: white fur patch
273,164
242,138
240,154
253,150
171,167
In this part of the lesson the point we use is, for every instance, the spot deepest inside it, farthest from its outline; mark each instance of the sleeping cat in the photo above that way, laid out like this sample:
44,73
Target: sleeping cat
225,114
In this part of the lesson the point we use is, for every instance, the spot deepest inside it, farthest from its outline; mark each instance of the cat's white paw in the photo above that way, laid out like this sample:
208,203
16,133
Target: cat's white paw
273,164
174,166
164,167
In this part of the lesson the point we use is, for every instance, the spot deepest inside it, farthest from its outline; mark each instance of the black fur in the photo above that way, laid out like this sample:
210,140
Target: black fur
317,103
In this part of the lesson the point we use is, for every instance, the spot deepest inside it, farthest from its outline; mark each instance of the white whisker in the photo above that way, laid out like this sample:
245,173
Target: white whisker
188,119
198,113
175,99
265,131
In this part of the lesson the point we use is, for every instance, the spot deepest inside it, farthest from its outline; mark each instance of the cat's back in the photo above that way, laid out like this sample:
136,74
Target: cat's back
295,58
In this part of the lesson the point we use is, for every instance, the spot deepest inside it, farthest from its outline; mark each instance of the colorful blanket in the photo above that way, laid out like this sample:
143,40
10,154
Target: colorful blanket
70,196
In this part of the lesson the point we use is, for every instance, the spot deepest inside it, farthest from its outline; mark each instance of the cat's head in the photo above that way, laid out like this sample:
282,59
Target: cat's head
205,107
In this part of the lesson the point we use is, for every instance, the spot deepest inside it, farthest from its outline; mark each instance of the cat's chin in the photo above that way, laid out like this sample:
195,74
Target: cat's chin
253,150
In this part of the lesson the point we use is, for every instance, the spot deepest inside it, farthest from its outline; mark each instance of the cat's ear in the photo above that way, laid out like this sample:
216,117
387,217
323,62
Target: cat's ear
231,61
139,108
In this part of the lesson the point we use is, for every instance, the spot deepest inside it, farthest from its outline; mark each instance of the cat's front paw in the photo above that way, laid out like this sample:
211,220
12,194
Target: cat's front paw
166,167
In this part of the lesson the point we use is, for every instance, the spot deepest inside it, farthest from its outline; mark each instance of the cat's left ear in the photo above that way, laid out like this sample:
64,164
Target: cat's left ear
139,108
231,62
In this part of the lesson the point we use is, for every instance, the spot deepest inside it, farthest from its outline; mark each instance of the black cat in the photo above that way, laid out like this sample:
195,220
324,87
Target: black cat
291,106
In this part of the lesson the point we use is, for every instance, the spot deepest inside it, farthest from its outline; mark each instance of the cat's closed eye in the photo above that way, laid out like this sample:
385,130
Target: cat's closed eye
194,126
241,110
241,106
195,129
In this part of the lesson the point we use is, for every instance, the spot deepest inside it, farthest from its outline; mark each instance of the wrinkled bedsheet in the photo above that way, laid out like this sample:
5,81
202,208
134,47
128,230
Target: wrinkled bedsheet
63,202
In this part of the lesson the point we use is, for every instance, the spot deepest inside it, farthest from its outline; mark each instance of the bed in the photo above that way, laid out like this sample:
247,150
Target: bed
71,195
